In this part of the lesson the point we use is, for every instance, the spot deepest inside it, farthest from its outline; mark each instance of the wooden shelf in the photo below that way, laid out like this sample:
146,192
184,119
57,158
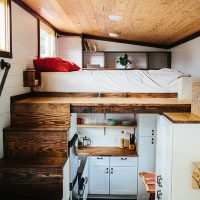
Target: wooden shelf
107,151
103,126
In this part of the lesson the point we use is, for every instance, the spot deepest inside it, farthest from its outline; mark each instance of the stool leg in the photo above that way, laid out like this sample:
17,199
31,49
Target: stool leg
152,196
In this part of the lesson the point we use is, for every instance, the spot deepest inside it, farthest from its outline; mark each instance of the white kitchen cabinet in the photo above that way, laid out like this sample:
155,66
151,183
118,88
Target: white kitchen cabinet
123,175
99,175
146,140
123,180
147,124
177,147
113,175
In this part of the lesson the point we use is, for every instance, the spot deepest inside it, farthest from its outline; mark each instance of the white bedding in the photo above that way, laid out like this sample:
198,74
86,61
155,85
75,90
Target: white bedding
135,81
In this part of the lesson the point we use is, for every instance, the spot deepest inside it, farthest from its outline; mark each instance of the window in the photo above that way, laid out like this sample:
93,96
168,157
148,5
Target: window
5,32
47,41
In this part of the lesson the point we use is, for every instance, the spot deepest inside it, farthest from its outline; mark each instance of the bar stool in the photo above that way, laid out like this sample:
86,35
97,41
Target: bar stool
148,178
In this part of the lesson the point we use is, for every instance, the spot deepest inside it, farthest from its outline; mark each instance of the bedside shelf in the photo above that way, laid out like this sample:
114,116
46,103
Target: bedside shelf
103,126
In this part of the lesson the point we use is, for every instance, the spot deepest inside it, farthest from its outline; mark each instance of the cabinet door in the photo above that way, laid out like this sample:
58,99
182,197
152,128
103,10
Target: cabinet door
164,158
99,180
147,124
147,154
123,180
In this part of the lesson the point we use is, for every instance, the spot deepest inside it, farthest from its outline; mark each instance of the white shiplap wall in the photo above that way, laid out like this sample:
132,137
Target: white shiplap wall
24,34
186,57
69,48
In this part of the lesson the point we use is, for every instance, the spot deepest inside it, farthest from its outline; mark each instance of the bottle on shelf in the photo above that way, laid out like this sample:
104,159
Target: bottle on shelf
121,145
126,140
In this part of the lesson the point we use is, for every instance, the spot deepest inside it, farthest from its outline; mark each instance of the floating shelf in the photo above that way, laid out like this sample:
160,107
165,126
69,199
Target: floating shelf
103,126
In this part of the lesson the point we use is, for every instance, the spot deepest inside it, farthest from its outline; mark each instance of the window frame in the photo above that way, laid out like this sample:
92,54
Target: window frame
48,29
8,54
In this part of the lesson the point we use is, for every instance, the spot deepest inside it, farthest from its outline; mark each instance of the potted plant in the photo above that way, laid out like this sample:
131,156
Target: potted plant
124,61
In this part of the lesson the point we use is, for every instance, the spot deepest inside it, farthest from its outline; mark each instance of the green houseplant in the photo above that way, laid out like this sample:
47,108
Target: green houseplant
124,61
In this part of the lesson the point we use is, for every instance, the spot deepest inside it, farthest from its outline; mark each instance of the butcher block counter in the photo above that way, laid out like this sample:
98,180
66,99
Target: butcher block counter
107,151
182,118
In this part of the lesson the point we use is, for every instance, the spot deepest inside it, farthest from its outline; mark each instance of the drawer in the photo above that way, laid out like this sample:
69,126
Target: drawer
99,161
123,161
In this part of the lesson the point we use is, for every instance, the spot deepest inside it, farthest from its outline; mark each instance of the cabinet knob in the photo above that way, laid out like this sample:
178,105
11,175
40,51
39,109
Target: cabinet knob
152,132
152,141
111,170
99,158
106,171
123,158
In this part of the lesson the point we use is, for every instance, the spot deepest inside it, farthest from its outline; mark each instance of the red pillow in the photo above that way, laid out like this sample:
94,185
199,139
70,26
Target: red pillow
54,64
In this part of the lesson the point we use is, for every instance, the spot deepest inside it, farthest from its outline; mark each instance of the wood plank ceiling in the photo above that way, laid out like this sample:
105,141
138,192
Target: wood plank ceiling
153,21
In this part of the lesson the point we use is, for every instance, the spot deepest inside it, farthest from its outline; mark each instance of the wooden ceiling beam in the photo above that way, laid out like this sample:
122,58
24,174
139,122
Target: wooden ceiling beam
68,34
186,39
141,43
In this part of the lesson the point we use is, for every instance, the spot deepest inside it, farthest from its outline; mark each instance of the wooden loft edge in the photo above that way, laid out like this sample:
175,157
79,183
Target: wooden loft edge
155,109
96,95
140,43
34,13
68,34
184,40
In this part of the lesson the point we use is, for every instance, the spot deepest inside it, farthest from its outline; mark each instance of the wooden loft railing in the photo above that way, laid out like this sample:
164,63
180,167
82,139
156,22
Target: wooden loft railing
6,66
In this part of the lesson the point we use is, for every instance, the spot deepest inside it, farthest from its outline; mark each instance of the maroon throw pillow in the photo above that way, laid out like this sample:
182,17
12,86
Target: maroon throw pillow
54,64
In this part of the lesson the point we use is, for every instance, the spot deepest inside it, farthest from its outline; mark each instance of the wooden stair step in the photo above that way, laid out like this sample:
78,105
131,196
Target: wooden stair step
34,144
40,115
41,179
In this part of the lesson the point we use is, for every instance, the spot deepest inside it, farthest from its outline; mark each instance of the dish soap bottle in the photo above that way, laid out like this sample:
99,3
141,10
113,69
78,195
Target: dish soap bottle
121,145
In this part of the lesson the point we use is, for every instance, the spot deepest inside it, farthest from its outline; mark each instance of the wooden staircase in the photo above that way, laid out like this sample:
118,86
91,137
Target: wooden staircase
35,151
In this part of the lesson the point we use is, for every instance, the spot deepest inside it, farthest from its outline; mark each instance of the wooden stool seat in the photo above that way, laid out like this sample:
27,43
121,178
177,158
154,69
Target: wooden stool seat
148,179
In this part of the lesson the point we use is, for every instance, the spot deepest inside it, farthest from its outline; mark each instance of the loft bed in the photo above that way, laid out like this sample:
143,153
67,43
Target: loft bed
111,81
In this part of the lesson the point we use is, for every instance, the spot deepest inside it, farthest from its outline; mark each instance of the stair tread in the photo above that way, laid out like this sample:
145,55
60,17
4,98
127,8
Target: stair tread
10,128
31,179
14,172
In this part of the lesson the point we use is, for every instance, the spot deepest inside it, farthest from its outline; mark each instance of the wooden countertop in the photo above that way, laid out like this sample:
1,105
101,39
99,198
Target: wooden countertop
107,151
80,101
181,118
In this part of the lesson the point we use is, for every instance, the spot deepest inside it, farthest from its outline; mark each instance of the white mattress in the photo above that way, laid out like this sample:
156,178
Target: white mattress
135,81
